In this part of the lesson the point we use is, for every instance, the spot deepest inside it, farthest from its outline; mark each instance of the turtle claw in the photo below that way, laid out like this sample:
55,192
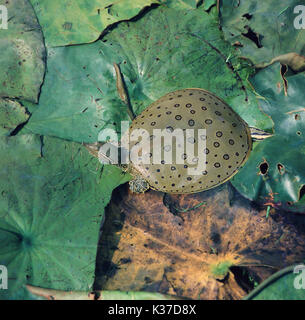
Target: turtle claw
138,185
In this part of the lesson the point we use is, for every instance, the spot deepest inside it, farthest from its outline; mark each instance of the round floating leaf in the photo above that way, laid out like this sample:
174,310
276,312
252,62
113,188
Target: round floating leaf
262,30
164,51
180,3
275,174
52,199
12,114
22,52
286,284
82,21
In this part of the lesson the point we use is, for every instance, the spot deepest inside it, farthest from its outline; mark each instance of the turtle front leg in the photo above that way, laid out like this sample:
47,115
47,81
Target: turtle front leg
138,185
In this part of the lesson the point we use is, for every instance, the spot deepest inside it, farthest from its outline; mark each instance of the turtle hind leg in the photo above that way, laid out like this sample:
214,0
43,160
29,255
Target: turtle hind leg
138,185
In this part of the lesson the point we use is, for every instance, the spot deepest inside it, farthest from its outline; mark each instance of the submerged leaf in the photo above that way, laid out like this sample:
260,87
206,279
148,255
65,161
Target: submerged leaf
172,245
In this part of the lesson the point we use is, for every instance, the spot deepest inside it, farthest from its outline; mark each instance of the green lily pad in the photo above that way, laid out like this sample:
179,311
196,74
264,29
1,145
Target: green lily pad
52,200
22,52
286,284
271,23
164,51
274,174
12,114
180,3
82,21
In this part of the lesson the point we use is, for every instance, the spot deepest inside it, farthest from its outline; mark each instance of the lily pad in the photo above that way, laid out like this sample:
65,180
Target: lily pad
22,52
180,3
262,30
286,284
274,174
82,21
12,114
165,50
52,200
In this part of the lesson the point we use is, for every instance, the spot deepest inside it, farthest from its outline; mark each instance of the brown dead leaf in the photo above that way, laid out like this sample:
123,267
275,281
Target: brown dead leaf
209,245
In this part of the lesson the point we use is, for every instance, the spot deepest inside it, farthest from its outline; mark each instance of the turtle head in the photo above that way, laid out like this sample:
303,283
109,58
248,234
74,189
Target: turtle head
259,135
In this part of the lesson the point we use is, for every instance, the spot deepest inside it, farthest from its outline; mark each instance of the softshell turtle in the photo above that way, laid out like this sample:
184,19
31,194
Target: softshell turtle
228,141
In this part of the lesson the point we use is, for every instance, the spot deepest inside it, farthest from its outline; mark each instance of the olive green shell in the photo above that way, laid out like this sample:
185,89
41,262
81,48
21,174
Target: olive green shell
228,140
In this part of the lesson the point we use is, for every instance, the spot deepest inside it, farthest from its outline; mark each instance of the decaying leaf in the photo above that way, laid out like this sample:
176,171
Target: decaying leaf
209,245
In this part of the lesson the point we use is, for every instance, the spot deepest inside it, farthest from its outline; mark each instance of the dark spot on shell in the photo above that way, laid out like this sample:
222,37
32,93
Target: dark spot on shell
173,168
177,105
153,123
208,121
217,165
188,105
218,134
204,108
206,151
218,113
216,144
189,179
231,142
191,123
226,156
168,112
178,117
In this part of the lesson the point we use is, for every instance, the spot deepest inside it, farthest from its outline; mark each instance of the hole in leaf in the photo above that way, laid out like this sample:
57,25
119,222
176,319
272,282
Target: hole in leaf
253,36
244,278
280,168
302,192
299,133
247,16
297,117
263,167
284,70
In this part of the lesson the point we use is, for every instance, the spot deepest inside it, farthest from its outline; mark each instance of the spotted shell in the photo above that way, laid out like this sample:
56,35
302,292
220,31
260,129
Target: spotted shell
228,140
